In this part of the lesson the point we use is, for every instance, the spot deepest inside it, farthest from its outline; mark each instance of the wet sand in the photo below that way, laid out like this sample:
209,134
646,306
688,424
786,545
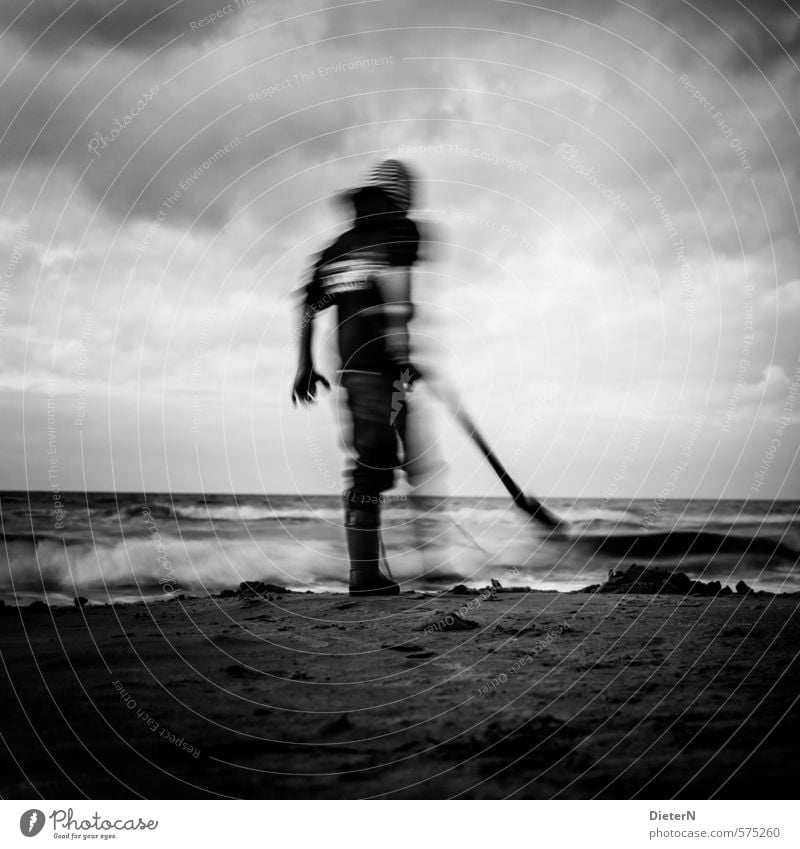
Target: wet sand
538,695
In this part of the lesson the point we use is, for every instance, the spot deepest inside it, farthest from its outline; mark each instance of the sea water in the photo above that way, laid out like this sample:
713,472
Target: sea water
133,546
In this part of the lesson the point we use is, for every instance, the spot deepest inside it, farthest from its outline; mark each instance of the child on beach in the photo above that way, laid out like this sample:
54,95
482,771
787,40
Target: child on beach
366,274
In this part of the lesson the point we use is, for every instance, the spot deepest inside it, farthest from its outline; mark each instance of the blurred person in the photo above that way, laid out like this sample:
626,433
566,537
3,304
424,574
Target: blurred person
366,274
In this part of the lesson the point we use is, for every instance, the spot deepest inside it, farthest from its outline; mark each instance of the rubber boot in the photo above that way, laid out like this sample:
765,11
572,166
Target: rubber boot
362,528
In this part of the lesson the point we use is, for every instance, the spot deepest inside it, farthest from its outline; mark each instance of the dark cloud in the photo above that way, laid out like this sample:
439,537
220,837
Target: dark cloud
744,36
139,24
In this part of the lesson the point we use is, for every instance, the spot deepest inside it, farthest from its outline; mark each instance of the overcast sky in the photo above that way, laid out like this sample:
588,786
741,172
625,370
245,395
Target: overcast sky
611,189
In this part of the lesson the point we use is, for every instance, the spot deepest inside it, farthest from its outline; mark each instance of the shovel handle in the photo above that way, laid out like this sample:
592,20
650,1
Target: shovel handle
532,506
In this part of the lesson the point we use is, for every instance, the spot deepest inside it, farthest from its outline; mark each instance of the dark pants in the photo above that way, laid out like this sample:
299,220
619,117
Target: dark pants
378,430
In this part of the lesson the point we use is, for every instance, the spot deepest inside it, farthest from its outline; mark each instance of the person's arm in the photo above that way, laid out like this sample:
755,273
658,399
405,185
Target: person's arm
304,388
394,285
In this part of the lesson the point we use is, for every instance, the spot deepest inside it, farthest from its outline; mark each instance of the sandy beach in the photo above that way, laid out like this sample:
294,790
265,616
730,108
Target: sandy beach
456,694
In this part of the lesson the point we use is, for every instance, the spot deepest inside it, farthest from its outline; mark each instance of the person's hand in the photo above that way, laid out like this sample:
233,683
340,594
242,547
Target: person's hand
304,389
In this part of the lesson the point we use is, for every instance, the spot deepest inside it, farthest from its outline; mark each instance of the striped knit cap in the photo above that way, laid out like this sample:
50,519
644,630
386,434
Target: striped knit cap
396,180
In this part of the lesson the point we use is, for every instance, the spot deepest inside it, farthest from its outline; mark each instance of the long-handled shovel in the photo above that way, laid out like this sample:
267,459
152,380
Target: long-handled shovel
532,506
647,545
667,544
